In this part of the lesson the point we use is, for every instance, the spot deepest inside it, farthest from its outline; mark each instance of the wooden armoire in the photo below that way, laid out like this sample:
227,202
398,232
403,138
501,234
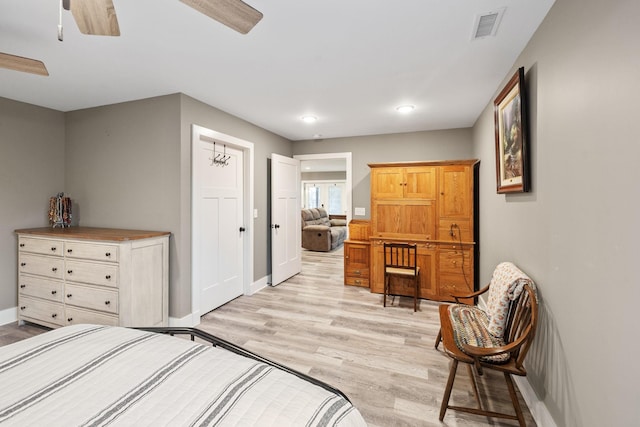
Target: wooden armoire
432,204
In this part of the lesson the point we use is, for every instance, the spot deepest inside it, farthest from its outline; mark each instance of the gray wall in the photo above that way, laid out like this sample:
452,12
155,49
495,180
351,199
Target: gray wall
31,171
265,143
129,165
429,145
122,170
575,233
324,176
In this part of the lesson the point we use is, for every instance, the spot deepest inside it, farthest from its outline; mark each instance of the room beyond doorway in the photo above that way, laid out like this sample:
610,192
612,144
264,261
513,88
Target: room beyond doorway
331,163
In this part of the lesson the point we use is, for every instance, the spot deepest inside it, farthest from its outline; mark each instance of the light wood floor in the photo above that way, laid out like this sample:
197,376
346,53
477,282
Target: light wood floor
383,359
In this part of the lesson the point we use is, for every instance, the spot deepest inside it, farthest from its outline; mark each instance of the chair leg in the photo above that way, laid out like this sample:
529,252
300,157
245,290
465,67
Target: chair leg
476,391
415,297
386,289
438,338
514,399
447,391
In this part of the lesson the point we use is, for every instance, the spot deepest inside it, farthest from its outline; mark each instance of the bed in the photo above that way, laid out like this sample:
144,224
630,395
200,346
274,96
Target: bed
93,375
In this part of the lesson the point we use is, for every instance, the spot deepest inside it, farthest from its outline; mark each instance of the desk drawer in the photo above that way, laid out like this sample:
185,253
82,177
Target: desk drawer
356,281
357,272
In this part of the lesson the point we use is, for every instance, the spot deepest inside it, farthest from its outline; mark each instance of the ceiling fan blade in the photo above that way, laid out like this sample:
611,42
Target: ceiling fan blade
26,65
235,14
95,17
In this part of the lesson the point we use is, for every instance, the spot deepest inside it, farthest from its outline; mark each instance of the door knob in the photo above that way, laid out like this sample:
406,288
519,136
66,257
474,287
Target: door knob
242,229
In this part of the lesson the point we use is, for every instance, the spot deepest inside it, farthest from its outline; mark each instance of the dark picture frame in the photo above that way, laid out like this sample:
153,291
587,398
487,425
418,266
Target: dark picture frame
511,128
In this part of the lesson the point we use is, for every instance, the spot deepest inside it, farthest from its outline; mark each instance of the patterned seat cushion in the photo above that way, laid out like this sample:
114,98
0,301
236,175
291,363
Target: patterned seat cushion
470,326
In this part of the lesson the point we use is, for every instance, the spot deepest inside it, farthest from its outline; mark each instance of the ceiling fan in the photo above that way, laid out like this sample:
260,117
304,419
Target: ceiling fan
98,17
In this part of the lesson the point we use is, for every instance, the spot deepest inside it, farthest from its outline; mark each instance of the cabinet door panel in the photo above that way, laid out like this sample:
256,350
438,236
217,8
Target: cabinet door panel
357,255
403,219
387,183
455,188
420,183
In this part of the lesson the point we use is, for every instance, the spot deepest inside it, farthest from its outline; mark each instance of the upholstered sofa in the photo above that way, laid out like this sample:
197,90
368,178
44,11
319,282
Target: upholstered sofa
319,233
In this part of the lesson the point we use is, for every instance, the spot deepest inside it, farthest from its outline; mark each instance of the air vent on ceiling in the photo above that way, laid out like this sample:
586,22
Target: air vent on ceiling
486,24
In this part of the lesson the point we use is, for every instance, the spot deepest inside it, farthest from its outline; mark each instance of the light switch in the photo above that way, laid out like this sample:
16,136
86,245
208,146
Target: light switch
255,213
360,212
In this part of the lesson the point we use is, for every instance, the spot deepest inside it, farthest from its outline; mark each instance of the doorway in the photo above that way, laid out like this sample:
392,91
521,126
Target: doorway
332,162
222,226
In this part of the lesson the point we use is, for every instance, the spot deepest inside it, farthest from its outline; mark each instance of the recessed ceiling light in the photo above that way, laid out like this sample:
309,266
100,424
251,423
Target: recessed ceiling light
309,119
405,108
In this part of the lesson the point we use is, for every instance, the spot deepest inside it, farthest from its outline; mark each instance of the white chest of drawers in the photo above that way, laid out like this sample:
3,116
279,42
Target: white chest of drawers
93,275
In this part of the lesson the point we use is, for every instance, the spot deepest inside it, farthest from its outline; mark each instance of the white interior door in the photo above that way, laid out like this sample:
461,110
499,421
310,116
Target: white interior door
285,218
218,230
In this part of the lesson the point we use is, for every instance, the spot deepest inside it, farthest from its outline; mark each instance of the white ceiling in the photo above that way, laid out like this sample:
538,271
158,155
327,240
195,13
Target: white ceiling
350,63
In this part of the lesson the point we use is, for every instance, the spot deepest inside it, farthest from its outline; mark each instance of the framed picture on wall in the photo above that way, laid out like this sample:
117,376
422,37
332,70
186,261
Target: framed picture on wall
511,127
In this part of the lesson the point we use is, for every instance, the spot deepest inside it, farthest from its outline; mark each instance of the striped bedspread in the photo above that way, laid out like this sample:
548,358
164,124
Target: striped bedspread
89,375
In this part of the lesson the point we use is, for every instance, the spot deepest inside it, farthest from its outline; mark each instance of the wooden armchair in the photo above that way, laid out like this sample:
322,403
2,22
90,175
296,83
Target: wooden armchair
498,338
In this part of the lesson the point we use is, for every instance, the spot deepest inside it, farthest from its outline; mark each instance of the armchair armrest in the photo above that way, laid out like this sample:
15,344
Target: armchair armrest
458,297
482,352
311,228
476,352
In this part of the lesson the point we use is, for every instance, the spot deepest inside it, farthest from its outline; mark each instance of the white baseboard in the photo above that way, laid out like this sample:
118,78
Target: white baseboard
184,322
193,319
538,409
9,315
259,285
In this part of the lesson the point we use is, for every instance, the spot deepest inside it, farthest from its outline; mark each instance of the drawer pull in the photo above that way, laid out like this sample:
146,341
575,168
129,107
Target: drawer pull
357,281
358,272
54,315
69,251
108,254
22,245
69,295
54,269
69,271
69,319
23,286
107,302
22,264
23,307
54,292
108,277
53,249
